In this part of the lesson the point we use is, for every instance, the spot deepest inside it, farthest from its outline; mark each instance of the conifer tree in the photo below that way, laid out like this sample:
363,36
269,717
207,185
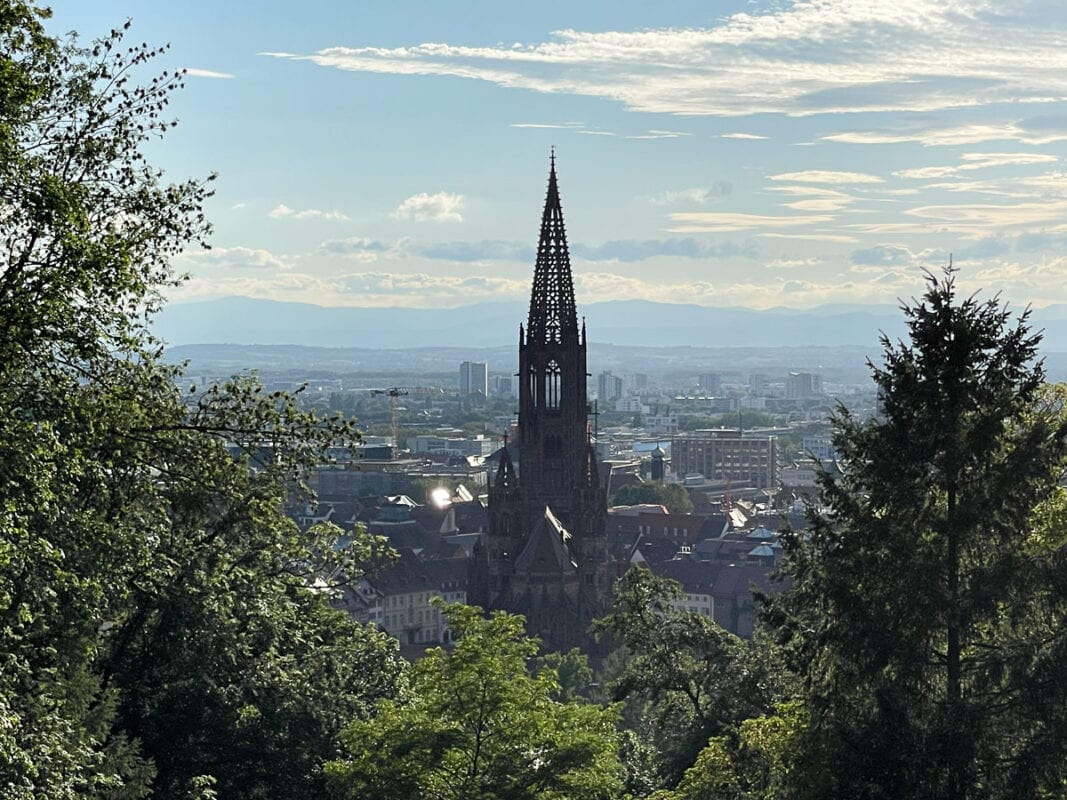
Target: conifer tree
925,615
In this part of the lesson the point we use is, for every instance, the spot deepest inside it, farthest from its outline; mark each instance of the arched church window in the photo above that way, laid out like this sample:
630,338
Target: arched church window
552,385
553,446
531,377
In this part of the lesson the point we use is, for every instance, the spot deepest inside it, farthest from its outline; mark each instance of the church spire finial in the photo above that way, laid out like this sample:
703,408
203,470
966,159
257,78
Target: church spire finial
553,317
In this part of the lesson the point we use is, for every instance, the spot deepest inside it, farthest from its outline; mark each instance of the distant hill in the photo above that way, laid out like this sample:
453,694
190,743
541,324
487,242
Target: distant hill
632,335
241,320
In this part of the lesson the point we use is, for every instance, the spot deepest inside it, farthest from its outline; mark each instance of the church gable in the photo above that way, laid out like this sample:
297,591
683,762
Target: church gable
546,552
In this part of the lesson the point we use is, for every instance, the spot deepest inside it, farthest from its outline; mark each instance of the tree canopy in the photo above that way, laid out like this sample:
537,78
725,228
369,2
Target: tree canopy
158,632
925,620
684,678
671,495
472,723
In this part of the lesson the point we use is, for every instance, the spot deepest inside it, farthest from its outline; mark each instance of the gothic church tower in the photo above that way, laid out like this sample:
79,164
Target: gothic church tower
547,542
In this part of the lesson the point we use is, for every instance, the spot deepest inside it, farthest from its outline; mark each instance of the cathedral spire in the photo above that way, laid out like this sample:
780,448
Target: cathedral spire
553,318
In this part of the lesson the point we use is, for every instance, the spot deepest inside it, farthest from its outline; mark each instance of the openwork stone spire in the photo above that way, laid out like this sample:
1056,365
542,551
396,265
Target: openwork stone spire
553,318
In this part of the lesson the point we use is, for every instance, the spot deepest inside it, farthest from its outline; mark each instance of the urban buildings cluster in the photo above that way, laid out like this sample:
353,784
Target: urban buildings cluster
515,512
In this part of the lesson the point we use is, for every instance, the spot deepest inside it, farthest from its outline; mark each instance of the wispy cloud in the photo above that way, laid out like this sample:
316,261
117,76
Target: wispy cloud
800,57
282,211
827,176
232,258
195,72
655,134
622,250
811,237
891,255
793,263
973,161
423,286
974,220
361,248
742,136
724,222
424,207
698,195
634,250
550,125
816,198
1036,131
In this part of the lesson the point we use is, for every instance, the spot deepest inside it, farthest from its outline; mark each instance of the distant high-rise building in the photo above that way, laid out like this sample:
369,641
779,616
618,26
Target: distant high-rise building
800,385
501,386
609,387
640,381
757,384
710,383
473,379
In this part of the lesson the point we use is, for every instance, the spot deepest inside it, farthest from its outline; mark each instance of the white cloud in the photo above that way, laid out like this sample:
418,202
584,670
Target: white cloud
551,125
792,263
798,57
981,219
821,203
816,198
206,73
742,136
418,288
826,176
973,161
699,195
282,211
890,255
722,222
424,207
811,237
975,133
655,134
239,258
975,220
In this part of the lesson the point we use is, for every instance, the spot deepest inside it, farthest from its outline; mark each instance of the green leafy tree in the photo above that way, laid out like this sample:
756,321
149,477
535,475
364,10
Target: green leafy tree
474,724
684,678
926,619
755,763
572,671
157,629
671,495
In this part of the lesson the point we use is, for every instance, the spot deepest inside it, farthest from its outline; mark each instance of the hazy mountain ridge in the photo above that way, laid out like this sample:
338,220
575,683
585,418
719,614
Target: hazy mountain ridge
236,334
239,320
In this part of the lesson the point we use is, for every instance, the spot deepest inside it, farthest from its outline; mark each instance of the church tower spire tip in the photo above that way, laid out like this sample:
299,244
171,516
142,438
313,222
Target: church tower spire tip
553,316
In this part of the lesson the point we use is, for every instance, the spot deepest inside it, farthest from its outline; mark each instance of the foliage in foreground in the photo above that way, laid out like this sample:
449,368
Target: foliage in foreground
472,723
684,678
157,635
926,620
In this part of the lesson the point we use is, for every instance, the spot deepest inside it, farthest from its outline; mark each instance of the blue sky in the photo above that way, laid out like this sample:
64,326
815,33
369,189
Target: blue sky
752,154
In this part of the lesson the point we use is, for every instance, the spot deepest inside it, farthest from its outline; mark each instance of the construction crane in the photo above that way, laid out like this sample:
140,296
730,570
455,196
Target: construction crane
394,393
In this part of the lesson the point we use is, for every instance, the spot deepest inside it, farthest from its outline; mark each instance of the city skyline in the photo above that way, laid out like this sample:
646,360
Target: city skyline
767,154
